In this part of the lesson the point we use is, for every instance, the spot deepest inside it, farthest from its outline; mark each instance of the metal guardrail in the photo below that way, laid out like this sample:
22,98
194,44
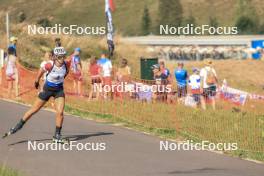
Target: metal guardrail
216,40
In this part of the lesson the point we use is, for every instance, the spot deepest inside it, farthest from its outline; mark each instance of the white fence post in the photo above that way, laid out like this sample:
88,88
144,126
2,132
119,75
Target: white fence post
2,58
7,29
1,64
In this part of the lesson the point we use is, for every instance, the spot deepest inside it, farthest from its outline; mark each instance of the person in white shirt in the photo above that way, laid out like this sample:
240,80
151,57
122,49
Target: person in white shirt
106,66
12,72
106,69
195,85
209,84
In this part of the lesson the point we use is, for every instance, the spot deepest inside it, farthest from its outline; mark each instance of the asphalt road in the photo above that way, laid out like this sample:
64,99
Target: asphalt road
128,153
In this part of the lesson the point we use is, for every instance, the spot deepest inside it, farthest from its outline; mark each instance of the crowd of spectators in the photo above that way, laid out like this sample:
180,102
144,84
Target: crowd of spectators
201,84
203,52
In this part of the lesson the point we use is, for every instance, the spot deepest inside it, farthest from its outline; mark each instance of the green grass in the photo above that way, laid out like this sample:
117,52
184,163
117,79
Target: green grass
4,171
110,119
223,126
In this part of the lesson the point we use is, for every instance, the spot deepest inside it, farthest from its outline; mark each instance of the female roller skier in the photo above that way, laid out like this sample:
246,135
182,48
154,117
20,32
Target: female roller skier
56,70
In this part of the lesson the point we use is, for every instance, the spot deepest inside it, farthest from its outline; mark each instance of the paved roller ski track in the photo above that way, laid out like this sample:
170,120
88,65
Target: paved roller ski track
128,153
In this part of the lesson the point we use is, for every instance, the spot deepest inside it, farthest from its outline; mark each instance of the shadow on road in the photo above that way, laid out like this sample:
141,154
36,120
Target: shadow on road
75,137
85,136
195,171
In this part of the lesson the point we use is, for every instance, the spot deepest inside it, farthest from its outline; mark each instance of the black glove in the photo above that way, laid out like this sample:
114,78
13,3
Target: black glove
36,84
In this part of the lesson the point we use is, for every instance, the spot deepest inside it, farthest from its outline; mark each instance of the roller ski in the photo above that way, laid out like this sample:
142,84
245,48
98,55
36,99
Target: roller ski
59,140
13,130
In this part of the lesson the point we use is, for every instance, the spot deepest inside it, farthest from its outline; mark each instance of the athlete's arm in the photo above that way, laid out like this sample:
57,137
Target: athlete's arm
45,68
40,74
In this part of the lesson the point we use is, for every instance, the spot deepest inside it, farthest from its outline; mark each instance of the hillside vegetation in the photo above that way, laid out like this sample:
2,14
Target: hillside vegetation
128,14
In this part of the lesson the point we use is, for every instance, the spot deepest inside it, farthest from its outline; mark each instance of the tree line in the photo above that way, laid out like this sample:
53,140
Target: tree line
170,12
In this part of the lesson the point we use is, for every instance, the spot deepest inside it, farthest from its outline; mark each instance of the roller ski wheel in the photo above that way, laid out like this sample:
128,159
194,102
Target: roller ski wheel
60,140
6,134
10,132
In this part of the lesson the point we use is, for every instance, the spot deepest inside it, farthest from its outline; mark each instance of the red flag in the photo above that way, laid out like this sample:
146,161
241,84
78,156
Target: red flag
112,5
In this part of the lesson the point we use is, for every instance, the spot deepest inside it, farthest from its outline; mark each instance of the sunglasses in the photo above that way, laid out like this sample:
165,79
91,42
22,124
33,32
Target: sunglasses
60,57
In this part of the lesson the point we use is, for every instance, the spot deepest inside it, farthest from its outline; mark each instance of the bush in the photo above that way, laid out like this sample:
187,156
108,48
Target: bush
246,25
44,22
21,17
261,29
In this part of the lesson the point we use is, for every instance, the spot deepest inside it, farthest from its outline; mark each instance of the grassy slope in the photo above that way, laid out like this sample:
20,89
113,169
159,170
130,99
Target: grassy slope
127,17
8,172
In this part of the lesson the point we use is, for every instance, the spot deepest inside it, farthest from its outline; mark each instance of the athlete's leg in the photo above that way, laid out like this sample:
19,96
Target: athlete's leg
59,104
35,108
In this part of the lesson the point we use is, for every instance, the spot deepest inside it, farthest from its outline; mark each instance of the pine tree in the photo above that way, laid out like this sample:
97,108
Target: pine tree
190,20
146,22
246,25
213,22
170,12
261,29
247,18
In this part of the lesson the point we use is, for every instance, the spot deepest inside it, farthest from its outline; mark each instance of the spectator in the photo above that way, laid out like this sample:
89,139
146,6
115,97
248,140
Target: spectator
95,78
12,72
195,85
124,72
209,83
123,76
76,68
160,82
13,44
106,71
181,76
168,83
157,79
164,70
